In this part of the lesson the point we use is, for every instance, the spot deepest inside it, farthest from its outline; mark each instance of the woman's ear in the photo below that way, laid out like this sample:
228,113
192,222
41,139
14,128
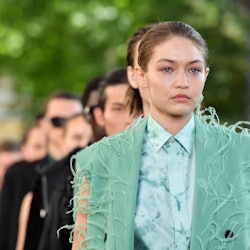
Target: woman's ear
132,77
140,77
99,116
207,71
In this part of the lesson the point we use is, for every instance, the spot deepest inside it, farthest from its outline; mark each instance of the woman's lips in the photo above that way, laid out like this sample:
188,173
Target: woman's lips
181,97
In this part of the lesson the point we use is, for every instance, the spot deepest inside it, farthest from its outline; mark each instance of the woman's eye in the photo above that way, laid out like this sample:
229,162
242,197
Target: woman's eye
166,69
195,70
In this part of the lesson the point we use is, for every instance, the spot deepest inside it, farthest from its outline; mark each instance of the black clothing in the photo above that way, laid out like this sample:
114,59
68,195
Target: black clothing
51,199
18,181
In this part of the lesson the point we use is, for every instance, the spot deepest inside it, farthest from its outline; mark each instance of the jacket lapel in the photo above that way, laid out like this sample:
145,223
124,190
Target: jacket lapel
125,191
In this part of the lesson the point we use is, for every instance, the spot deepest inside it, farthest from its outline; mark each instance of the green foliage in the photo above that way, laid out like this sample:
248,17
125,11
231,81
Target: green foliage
61,44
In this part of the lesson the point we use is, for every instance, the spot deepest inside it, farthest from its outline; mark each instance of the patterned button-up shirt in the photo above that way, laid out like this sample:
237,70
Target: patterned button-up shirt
165,191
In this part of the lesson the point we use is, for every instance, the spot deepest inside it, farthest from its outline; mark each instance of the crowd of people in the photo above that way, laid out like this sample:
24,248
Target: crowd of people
132,162
36,180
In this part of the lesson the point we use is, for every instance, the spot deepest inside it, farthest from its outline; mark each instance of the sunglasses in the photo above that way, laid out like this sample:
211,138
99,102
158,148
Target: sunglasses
57,121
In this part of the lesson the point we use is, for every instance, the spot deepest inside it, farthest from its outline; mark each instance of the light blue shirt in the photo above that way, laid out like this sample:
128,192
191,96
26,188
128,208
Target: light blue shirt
165,189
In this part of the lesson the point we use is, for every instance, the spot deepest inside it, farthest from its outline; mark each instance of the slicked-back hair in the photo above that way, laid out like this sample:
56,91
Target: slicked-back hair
164,31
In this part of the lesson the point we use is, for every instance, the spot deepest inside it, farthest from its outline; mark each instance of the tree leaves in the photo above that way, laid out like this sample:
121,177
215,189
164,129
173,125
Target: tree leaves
61,44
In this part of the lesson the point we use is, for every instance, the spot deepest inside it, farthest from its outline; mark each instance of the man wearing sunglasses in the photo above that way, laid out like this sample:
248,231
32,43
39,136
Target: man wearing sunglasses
22,180
57,111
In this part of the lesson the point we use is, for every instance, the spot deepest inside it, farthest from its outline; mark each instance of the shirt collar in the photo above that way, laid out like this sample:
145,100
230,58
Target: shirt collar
158,136
187,135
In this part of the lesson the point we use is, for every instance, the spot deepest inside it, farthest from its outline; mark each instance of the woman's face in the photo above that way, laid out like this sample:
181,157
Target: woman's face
175,76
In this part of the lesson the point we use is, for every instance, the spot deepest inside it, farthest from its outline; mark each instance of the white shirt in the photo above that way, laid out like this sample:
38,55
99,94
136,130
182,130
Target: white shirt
166,186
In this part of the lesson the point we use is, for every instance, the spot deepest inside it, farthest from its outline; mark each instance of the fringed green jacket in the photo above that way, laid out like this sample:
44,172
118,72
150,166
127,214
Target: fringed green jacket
221,206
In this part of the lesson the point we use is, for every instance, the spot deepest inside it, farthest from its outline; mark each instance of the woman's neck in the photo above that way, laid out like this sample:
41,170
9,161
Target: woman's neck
173,124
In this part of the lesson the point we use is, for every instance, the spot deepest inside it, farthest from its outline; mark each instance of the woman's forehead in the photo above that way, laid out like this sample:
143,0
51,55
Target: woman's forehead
177,48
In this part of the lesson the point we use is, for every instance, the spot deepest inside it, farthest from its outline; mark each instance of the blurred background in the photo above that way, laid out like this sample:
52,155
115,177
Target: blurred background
61,44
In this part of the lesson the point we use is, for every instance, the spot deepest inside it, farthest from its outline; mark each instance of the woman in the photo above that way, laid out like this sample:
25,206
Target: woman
173,180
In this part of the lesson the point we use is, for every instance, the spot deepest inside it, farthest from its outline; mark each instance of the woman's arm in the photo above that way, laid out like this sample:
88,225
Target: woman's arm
80,229
23,220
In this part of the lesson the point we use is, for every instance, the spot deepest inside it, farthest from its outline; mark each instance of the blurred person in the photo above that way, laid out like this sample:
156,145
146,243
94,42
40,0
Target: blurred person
113,111
10,153
60,204
113,104
172,180
90,98
33,143
77,133
17,182
132,56
21,180
58,199
33,147
57,111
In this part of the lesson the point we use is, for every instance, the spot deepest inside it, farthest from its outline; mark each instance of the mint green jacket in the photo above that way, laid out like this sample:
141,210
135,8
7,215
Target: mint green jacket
221,206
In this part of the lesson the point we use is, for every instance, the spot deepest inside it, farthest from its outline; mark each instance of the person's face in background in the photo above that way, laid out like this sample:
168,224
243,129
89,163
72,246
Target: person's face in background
77,133
59,108
35,146
116,115
176,74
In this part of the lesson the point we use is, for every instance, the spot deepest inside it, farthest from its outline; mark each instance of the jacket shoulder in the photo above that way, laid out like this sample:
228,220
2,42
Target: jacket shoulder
115,143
